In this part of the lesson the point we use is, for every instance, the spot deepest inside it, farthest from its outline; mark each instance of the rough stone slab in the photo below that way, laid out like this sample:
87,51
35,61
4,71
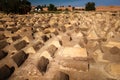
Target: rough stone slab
3,54
66,40
92,35
2,37
113,69
112,52
52,49
73,52
5,72
75,65
14,38
20,58
30,50
56,43
61,76
42,64
112,44
38,45
46,54
3,44
20,45
45,38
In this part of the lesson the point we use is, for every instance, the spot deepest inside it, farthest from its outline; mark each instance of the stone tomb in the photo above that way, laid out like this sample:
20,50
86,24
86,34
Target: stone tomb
111,52
73,52
61,76
3,44
42,64
52,49
74,58
20,58
5,72
20,45
3,54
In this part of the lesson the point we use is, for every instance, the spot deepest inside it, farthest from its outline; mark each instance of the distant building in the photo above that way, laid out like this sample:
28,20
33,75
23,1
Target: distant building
33,8
45,9
108,8
63,8
79,8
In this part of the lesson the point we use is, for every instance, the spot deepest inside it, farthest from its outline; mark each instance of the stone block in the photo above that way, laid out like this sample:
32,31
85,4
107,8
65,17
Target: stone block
3,54
6,72
73,52
14,38
61,76
77,65
42,65
20,45
111,52
20,58
3,44
45,38
52,49
38,46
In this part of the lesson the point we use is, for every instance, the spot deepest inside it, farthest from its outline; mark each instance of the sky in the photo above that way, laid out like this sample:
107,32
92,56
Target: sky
75,2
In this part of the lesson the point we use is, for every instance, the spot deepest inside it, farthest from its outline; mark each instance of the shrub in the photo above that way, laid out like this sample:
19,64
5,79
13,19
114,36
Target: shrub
90,6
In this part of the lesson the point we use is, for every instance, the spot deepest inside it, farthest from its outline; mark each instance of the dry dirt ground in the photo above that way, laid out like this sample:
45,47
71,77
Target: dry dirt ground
65,46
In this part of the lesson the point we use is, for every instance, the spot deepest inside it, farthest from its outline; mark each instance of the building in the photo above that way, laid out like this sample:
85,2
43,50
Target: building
79,8
45,9
108,8
63,8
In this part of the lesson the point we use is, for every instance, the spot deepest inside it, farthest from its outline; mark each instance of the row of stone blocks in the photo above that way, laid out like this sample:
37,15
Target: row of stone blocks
6,71
42,66
19,57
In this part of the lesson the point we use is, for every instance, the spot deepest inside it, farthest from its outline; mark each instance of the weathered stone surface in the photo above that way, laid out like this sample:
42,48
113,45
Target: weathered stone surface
61,76
14,38
92,35
1,29
3,44
3,54
38,45
42,64
20,45
30,50
112,52
52,49
84,43
45,38
12,29
77,65
66,40
2,36
113,69
20,58
73,52
6,72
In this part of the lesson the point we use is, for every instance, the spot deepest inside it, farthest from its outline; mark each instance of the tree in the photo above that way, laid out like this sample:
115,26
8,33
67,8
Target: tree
15,6
52,7
90,6
24,7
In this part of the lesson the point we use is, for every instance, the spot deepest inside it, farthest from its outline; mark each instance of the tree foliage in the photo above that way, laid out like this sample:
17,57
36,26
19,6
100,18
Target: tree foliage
52,7
90,6
15,6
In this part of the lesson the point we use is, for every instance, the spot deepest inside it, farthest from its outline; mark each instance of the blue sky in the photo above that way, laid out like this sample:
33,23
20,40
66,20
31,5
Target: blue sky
75,2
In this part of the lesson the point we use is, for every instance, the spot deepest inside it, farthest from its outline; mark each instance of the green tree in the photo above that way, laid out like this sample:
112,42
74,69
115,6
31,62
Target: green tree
24,6
52,7
15,6
90,6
